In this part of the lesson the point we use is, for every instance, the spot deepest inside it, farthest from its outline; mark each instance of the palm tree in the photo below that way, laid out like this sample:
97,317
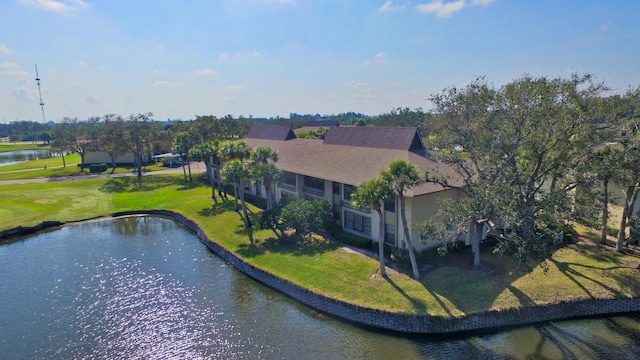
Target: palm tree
265,172
206,152
374,192
236,172
182,145
235,150
402,176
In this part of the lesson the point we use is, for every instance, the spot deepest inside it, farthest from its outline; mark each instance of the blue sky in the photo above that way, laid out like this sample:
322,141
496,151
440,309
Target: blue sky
266,58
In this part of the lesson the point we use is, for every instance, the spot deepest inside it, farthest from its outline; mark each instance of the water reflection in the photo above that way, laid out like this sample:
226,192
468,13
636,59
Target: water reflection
144,288
18,156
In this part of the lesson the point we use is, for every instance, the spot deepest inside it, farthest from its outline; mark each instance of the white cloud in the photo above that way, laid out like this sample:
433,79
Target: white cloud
605,27
354,84
256,53
166,83
25,93
376,59
82,64
223,56
13,69
92,99
446,9
58,6
10,66
206,72
16,73
4,49
235,87
389,7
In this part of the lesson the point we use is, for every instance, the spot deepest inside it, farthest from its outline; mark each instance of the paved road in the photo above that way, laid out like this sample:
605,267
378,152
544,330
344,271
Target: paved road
196,167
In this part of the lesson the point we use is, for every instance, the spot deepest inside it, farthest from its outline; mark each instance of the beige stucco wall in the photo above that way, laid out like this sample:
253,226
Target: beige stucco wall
99,157
420,208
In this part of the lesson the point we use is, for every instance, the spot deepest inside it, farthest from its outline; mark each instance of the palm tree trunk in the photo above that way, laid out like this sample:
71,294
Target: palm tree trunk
209,168
381,231
235,194
247,221
407,236
267,190
189,167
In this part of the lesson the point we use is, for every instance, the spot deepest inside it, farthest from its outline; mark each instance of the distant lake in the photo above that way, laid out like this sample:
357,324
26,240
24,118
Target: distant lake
19,156
147,288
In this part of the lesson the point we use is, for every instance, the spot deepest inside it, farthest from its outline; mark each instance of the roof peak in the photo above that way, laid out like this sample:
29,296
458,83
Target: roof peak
400,138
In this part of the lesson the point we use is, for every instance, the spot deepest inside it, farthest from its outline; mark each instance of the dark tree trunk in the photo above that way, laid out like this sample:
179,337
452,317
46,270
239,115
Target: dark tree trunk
605,210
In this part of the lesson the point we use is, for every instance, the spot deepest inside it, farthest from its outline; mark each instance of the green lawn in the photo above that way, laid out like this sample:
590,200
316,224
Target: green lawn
14,147
53,167
575,272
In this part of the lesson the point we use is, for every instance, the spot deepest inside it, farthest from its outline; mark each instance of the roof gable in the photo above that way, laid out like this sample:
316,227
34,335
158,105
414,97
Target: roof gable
271,132
399,138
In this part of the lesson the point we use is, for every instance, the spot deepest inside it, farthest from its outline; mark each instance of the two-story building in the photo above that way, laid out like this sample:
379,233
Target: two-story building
331,169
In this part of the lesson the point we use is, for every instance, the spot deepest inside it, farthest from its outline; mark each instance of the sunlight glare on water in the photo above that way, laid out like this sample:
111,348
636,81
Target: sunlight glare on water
145,288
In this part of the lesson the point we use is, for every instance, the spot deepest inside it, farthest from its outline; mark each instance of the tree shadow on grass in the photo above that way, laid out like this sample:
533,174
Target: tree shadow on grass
418,304
218,208
147,183
289,244
567,269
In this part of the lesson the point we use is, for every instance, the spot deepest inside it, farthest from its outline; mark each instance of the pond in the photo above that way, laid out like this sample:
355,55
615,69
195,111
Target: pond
146,288
18,156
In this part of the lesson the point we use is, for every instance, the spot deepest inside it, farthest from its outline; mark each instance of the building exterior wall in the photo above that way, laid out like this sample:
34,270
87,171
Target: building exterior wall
101,157
417,209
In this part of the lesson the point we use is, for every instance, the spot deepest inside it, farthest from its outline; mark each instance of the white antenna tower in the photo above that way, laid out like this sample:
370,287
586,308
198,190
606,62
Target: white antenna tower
40,92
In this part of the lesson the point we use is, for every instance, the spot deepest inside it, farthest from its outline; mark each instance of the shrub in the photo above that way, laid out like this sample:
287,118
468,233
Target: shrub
613,231
270,219
349,238
388,249
97,168
306,216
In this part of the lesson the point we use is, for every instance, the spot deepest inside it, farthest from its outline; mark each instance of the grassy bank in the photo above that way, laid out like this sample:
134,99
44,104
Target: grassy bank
576,272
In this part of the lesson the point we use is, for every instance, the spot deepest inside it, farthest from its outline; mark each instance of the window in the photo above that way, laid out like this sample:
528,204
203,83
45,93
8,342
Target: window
336,211
348,190
390,205
314,183
288,178
357,222
336,188
390,234
285,196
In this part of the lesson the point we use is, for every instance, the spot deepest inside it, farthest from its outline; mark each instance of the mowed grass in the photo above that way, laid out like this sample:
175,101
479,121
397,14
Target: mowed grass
575,272
15,147
53,167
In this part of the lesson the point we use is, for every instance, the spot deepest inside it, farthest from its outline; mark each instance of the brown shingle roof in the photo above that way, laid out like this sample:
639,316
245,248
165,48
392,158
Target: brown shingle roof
271,132
399,138
348,164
